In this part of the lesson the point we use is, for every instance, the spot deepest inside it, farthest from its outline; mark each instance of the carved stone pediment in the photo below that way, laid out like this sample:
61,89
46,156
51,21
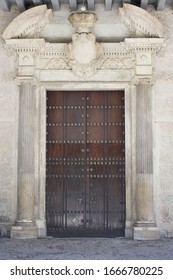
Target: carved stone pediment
28,24
140,22
84,56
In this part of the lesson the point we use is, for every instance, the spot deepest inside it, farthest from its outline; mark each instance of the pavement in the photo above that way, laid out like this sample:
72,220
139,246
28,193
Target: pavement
85,249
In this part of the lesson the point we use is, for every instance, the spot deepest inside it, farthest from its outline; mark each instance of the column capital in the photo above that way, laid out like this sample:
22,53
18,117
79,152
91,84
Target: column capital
142,80
24,80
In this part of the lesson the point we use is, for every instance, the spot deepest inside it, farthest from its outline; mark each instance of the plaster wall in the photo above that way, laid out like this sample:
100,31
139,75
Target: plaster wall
108,29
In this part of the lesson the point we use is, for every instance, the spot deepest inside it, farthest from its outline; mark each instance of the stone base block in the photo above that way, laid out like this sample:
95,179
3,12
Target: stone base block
129,233
24,232
42,231
146,233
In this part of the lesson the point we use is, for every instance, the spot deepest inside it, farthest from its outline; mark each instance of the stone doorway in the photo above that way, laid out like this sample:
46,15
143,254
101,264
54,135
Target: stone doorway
43,66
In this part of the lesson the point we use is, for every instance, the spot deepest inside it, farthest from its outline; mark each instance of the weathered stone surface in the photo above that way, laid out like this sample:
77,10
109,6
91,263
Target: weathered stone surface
164,99
122,66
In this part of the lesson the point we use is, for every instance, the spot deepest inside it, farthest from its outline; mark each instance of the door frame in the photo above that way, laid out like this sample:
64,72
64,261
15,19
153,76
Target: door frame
130,172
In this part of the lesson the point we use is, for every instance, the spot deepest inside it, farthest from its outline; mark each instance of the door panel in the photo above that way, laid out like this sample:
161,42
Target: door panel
85,188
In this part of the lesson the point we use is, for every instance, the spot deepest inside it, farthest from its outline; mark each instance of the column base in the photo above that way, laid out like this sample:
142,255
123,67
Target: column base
42,230
129,233
146,231
24,231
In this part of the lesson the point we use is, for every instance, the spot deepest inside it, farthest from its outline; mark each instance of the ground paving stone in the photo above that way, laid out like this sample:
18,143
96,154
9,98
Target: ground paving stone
85,249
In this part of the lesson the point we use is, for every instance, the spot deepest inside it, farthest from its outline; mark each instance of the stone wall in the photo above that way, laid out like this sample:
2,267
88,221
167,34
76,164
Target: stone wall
8,132
163,111
163,103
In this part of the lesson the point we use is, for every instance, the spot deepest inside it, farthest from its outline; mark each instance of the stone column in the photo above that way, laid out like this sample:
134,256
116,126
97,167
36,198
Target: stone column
145,226
25,226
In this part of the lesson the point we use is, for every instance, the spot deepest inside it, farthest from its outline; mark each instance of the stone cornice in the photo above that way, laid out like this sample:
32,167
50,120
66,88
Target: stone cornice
152,45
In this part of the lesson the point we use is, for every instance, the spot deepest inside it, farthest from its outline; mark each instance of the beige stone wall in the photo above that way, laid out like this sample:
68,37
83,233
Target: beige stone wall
163,112
8,132
163,105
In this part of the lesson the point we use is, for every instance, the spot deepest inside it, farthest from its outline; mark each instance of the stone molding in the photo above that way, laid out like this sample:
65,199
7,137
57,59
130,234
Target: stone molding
28,24
23,80
142,80
84,56
35,55
140,22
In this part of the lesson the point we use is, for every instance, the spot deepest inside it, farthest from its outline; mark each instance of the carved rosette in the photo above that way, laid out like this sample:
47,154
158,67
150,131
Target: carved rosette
83,53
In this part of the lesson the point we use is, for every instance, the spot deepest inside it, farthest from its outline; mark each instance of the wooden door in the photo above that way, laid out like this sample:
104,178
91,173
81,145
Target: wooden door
85,187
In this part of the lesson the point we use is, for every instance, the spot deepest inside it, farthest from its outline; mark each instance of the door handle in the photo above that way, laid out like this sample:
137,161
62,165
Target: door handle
80,200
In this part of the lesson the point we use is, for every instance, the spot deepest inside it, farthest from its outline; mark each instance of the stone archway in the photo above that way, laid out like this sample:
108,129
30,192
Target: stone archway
46,66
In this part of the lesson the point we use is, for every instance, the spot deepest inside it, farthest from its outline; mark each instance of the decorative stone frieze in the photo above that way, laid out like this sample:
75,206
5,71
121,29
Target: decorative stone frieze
36,55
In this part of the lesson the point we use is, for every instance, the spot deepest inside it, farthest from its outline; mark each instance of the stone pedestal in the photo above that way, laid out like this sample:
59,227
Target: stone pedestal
145,226
25,226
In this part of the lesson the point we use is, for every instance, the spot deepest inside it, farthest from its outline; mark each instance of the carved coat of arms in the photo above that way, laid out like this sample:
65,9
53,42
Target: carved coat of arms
83,52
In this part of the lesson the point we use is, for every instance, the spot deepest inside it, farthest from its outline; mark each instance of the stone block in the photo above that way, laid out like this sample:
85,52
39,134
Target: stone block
24,232
146,233
144,70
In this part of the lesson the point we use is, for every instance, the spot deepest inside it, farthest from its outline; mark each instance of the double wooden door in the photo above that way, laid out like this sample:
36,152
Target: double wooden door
85,187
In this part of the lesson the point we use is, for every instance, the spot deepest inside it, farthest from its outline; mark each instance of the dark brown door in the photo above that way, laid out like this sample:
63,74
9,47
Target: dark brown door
85,192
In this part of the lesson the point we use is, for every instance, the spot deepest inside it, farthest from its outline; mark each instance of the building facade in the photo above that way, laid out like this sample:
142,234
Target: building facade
86,122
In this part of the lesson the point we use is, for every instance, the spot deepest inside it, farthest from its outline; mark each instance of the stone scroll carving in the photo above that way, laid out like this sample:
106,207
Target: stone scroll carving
28,24
141,23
